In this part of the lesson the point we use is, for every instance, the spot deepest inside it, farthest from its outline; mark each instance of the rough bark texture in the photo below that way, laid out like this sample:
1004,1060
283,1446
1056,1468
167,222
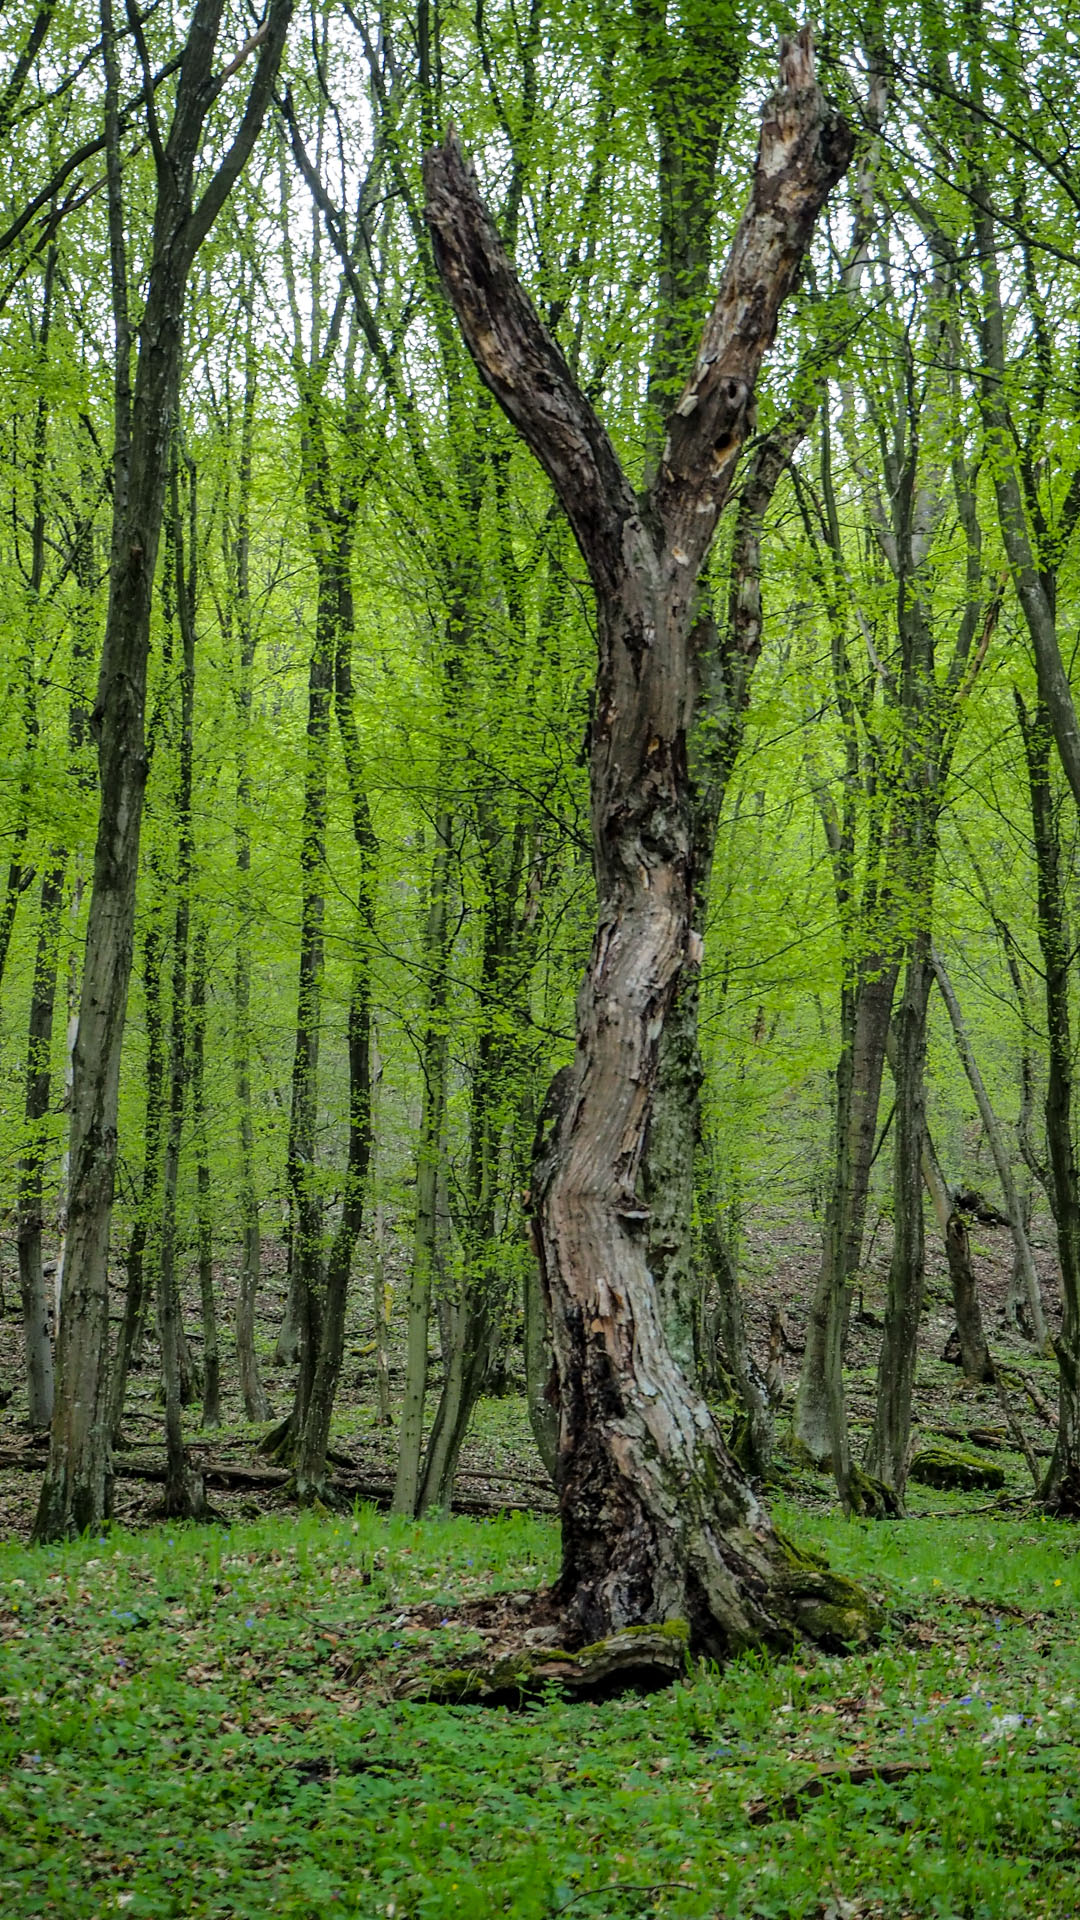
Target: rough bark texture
658,1521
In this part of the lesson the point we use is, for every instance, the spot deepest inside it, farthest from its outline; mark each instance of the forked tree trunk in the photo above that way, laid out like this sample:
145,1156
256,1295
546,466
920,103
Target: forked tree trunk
658,1521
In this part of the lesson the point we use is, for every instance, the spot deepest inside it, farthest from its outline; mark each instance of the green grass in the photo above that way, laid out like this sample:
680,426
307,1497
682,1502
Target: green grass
198,1722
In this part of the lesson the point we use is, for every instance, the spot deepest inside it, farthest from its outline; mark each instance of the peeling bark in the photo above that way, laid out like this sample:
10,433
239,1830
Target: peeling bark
658,1521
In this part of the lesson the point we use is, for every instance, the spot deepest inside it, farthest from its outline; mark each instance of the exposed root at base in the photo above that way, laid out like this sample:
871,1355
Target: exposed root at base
639,1659
532,1644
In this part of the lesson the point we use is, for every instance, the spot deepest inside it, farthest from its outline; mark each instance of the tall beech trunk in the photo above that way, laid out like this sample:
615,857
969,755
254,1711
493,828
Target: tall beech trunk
184,1495
658,1521
77,1489
1061,1488
204,1212
974,1352
38,1346
1002,1162
252,1391
307,1205
381,1315
314,1436
820,1419
474,1314
429,1153
35,1301
887,1453
144,1227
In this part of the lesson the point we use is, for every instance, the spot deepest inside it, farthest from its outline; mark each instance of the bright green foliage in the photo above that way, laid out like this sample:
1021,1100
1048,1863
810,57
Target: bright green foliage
199,1724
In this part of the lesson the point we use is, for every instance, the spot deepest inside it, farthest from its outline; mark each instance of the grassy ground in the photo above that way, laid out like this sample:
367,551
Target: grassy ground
201,1722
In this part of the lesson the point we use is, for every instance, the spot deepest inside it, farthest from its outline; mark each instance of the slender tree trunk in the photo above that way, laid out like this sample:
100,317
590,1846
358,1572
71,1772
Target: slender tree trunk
145,1225
35,1300
474,1315
974,1352
429,1152
887,1454
1061,1488
184,1495
84,568
998,1149
204,1211
252,1391
315,1431
307,1247
657,1519
820,1421
380,1306
39,1359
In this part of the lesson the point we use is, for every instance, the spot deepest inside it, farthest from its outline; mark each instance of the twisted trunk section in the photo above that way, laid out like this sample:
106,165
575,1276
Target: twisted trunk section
658,1521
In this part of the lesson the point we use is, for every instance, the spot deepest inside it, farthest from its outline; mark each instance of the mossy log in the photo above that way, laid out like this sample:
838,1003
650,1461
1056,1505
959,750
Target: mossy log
638,1658
947,1467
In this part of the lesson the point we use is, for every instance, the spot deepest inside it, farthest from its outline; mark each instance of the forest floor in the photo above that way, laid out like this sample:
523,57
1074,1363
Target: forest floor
210,1723
207,1723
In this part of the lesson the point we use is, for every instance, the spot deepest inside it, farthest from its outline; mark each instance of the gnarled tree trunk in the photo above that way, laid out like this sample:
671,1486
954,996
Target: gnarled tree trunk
658,1521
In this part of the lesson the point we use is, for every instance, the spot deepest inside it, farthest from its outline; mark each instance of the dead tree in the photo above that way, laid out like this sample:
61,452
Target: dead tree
658,1521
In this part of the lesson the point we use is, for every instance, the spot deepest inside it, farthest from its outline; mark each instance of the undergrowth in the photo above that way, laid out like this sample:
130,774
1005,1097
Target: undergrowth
200,1722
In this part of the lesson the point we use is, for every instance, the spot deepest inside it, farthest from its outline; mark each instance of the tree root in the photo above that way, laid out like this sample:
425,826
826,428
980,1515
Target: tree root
871,1499
641,1659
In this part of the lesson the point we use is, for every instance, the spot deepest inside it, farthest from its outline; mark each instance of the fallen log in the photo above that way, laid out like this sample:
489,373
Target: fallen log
226,1476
